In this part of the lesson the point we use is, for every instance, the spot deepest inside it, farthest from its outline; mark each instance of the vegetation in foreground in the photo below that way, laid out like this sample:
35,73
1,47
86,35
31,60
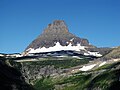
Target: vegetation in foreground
106,77
109,79
59,63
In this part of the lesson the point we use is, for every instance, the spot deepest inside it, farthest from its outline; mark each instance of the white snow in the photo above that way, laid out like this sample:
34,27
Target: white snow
57,47
61,56
86,54
103,63
77,57
1,55
14,55
18,55
86,68
28,60
72,39
116,59
73,70
97,54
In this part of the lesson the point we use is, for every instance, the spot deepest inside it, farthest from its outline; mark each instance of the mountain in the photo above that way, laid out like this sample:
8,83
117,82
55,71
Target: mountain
57,32
114,54
56,37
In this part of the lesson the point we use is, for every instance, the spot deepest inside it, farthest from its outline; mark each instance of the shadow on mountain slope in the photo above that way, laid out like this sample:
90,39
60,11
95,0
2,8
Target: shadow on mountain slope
11,79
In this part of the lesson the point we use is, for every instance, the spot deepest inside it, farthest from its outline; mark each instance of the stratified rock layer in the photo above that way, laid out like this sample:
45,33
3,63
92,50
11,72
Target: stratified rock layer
57,32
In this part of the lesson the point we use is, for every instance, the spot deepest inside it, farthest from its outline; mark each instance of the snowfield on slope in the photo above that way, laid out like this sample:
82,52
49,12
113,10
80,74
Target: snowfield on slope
103,63
59,47
86,68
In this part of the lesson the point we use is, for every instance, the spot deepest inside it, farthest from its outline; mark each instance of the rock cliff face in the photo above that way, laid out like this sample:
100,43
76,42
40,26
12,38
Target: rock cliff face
57,32
34,72
11,78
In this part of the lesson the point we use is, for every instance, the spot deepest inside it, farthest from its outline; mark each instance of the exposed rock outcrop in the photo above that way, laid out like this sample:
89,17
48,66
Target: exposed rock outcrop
57,32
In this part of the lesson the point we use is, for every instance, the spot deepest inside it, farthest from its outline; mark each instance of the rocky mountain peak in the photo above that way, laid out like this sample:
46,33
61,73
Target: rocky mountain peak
58,26
58,36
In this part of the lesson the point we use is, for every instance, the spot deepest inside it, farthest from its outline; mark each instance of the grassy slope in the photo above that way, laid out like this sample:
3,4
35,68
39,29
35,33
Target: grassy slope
92,80
58,63
106,80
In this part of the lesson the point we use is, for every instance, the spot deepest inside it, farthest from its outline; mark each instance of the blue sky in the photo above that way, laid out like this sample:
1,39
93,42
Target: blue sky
21,21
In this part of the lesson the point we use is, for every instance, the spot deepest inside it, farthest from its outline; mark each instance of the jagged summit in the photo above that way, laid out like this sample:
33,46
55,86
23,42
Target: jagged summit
58,26
56,37
56,32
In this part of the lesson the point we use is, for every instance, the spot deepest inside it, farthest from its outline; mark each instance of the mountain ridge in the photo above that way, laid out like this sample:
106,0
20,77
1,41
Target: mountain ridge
56,37
56,32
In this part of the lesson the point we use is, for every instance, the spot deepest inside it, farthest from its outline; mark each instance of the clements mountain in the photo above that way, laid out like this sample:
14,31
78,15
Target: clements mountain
56,37
57,32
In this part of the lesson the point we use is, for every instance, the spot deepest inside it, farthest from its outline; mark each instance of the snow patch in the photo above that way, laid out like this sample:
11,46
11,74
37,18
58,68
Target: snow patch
72,39
14,55
61,56
116,59
103,63
97,54
1,55
77,57
86,68
57,47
